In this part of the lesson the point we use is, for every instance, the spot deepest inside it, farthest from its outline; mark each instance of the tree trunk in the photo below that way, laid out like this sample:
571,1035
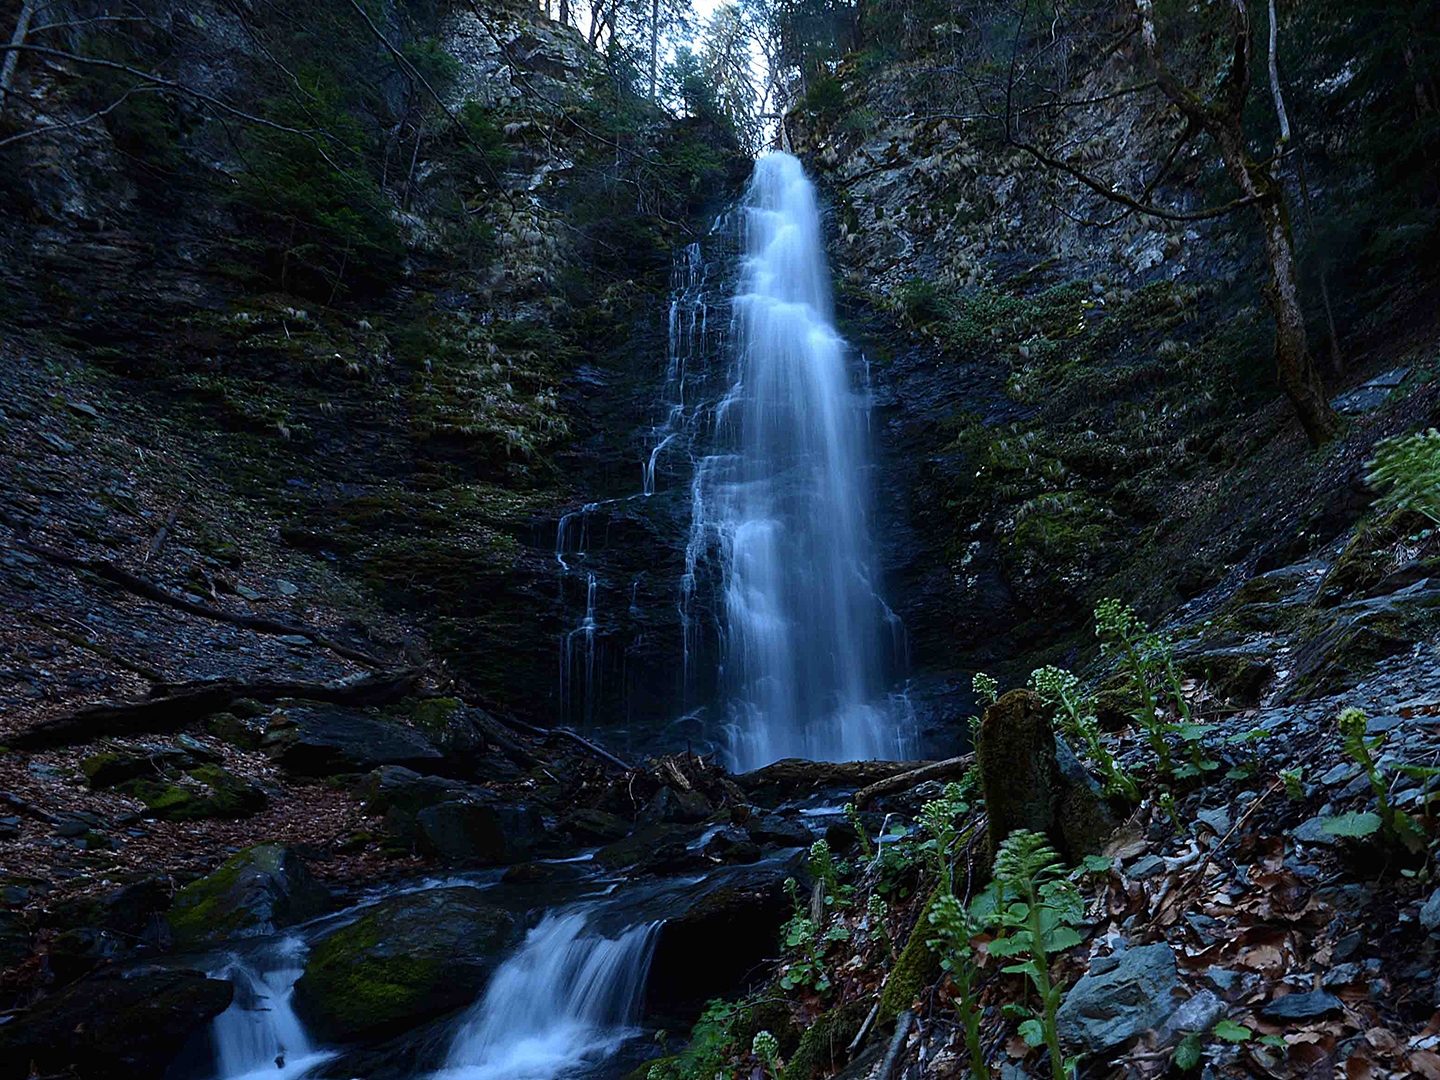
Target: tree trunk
654,48
564,12
7,72
1294,367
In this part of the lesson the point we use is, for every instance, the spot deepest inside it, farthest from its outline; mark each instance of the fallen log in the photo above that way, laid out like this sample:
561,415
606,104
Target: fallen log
800,773
173,705
108,571
934,770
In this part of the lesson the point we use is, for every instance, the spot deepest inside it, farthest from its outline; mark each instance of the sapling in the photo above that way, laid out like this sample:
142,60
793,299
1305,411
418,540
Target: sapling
938,818
852,815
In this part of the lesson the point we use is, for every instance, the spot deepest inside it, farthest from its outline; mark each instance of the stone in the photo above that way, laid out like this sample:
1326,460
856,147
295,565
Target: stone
14,939
286,588
112,768
1217,820
1430,911
456,821
1341,975
670,805
1104,1010
1147,867
113,1028
732,844
323,741
404,961
474,831
773,829
1199,1013
259,891
594,826
1312,831
1309,1006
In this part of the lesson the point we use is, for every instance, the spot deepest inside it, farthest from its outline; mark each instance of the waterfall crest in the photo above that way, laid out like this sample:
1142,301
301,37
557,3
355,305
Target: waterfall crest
567,997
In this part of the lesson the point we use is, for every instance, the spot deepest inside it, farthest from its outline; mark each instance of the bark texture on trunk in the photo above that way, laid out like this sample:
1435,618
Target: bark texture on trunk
1221,118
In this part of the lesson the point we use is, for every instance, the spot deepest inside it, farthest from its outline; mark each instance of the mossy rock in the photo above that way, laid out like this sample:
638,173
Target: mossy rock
823,1045
771,1013
1233,674
1340,655
259,891
1376,549
916,968
226,796
403,962
229,728
113,768
1116,702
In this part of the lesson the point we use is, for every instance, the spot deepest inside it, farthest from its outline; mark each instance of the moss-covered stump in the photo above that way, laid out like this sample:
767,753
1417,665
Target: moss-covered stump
1027,788
259,891
112,1029
405,961
916,968
822,1048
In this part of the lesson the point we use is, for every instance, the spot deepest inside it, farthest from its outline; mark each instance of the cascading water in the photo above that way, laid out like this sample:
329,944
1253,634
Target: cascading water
782,503
568,997
259,1037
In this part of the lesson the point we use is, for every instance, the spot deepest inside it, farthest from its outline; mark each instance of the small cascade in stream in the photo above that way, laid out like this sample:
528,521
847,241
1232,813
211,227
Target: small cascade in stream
780,505
577,646
567,998
259,1037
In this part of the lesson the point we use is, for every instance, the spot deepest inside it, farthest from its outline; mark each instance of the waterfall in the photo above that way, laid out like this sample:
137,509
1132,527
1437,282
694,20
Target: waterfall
259,1037
566,998
782,501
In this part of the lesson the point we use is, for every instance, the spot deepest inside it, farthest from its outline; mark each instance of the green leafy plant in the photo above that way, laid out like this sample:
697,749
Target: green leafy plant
1191,1049
1150,661
1040,908
987,692
767,1048
937,817
1409,466
852,815
1397,826
954,931
1076,712
1294,787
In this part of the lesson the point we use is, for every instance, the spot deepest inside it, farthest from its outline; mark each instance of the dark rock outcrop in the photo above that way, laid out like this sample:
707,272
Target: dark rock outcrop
112,1029
259,891
403,962
458,822
322,742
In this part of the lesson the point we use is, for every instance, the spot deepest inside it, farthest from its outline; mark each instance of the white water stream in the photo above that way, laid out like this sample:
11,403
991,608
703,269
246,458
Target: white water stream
259,1037
567,998
805,653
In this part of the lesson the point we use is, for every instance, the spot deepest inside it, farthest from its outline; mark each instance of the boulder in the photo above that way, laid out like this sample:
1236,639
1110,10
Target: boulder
456,821
323,741
784,832
670,805
111,768
259,891
223,795
1121,996
403,962
594,826
721,935
112,1029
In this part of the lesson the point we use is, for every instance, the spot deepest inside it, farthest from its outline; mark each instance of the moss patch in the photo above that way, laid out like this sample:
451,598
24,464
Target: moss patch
917,967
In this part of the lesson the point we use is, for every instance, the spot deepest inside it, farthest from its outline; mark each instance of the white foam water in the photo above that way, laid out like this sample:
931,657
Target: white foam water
259,1037
567,999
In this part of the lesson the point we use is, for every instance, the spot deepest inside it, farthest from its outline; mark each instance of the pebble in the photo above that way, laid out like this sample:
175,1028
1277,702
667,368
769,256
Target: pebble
1301,1006
286,588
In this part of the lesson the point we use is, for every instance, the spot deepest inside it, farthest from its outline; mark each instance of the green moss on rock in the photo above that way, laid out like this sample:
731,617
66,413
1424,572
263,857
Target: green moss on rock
917,967
403,962
822,1047
262,889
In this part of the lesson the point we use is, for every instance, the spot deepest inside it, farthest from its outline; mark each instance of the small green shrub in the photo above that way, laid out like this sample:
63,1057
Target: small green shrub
1410,467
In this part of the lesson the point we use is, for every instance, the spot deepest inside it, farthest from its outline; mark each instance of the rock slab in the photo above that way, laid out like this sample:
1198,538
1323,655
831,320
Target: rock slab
1121,996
